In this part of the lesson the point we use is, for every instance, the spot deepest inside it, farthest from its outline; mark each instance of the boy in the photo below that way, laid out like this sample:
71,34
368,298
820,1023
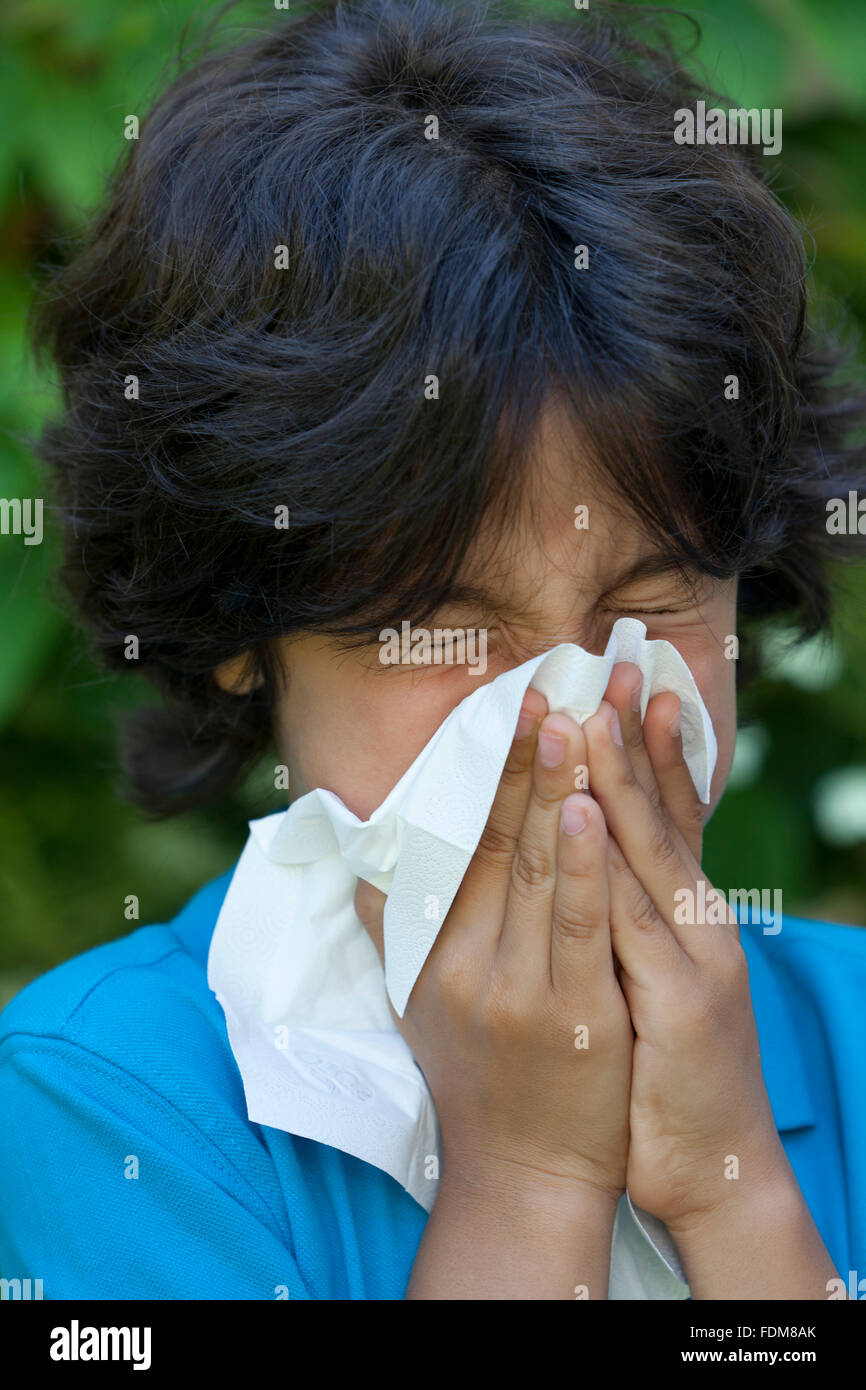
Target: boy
393,291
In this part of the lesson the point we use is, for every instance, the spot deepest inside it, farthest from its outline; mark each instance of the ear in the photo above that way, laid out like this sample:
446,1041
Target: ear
236,677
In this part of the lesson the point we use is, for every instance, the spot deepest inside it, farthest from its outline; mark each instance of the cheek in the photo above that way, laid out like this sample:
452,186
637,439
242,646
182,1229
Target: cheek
357,736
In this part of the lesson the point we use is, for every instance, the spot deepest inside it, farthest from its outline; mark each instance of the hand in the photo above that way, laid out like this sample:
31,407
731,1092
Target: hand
521,973
699,1109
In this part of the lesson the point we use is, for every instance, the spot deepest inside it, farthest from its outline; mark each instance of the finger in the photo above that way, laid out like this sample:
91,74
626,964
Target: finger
624,692
483,891
524,943
580,937
643,943
495,849
656,854
664,744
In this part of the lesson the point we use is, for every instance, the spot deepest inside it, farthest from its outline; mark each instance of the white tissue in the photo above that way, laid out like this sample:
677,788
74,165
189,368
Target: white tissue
300,982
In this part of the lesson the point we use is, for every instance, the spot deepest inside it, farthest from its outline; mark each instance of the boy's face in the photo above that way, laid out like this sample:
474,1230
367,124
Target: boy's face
352,725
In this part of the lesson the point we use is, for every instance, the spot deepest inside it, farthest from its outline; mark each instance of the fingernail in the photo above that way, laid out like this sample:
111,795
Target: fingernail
615,730
674,725
573,818
635,695
551,749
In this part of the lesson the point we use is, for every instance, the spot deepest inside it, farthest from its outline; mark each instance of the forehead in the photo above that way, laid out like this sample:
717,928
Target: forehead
567,522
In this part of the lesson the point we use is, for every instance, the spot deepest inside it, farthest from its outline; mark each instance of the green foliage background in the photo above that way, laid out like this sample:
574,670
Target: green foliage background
70,849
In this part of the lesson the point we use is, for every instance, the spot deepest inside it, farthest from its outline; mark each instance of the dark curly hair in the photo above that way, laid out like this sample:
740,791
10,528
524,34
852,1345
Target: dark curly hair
300,382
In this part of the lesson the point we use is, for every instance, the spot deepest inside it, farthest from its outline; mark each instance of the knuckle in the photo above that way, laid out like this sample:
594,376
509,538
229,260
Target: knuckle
577,922
654,798
643,910
549,794
516,765
662,848
693,814
690,825
504,1008
455,974
495,846
532,869
547,788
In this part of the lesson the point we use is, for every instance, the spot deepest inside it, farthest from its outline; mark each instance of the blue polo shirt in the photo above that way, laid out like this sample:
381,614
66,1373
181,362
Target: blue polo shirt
129,1169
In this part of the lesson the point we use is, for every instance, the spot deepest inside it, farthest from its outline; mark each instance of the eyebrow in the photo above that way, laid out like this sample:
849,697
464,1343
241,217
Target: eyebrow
651,566
648,568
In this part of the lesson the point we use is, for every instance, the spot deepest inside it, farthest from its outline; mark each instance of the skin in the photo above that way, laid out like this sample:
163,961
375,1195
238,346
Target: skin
549,930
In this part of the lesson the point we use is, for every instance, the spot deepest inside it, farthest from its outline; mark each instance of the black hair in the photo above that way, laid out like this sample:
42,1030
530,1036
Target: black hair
296,378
